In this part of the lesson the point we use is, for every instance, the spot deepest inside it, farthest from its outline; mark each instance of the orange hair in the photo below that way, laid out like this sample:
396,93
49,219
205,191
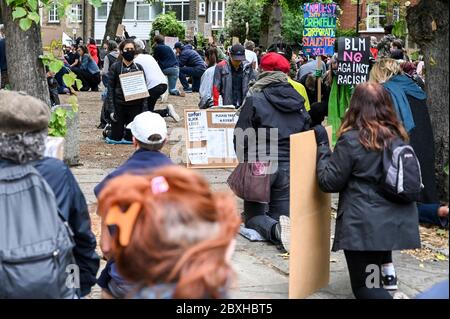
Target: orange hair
180,236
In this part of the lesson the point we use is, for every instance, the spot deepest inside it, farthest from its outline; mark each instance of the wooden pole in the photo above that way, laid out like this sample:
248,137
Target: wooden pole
319,80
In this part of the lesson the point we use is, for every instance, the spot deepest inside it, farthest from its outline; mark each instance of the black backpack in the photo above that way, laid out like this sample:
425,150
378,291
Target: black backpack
402,178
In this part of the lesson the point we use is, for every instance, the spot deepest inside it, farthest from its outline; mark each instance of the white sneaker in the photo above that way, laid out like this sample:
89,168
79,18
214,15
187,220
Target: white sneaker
285,224
172,113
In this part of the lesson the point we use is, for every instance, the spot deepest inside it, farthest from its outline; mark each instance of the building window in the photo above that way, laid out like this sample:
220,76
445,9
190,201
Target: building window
102,11
76,13
376,17
217,14
181,9
53,16
143,11
129,11
202,8
396,13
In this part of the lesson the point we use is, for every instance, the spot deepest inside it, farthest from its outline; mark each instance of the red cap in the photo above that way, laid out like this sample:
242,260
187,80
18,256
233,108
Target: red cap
274,62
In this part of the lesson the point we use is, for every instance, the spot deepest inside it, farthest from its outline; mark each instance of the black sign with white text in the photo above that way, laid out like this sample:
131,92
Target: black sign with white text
353,57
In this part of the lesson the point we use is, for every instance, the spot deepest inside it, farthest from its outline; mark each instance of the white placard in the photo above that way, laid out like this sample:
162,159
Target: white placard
224,118
170,41
197,126
217,144
230,135
198,156
54,147
133,85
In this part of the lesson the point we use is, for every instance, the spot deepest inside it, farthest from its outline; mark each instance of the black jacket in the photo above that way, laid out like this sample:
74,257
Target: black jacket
277,106
115,93
72,205
365,220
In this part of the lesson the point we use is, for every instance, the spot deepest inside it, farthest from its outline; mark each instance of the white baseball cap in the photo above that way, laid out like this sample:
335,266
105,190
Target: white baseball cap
147,124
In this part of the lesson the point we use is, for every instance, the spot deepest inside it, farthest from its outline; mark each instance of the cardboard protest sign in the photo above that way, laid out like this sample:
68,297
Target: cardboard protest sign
120,30
353,60
310,213
319,29
54,147
133,86
209,138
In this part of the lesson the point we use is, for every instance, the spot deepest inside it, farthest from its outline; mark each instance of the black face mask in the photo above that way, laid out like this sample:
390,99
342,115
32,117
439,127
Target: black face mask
128,55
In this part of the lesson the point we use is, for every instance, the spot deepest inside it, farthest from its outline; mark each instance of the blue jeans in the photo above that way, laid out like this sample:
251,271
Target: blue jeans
262,217
196,74
172,76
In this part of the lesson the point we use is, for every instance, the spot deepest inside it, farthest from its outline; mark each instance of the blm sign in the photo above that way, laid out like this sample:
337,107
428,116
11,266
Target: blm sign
353,60
319,29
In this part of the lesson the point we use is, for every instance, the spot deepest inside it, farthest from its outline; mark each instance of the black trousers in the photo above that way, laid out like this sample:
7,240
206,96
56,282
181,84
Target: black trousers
89,80
155,93
124,115
364,287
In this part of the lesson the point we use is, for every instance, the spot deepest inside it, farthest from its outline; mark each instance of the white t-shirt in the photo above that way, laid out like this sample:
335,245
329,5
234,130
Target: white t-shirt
251,57
152,71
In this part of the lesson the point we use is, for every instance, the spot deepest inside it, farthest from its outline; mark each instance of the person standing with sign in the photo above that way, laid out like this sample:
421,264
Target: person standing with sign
125,106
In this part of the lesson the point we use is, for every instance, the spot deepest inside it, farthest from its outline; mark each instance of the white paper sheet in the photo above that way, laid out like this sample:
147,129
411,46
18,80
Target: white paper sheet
198,156
197,126
230,145
217,143
224,118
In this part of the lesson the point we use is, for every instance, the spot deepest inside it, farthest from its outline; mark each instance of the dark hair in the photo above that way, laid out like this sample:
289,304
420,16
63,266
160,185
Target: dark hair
84,49
388,28
398,44
91,41
281,48
152,147
159,39
397,54
125,42
112,45
211,54
372,114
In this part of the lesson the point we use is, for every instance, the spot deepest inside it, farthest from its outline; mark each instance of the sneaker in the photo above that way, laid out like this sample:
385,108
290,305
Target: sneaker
285,232
188,90
389,282
172,113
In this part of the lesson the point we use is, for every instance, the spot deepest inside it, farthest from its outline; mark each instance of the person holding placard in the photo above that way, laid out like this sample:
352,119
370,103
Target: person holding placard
128,93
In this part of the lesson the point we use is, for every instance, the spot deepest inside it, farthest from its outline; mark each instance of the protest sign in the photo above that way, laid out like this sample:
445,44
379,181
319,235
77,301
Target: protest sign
319,28
133,86
170,41
310,211
353,60
209,138
120,30
54,147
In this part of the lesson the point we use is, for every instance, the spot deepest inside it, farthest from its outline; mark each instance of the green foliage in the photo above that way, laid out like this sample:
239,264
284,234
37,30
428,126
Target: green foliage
168,25
238,13
400,29
346,33
292,25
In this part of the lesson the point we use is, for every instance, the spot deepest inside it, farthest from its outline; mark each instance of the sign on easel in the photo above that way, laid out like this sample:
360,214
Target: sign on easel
133,86
310,214
209,138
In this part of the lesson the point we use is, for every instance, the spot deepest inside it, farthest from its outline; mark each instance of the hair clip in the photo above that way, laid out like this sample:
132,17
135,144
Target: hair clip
159,185
123,220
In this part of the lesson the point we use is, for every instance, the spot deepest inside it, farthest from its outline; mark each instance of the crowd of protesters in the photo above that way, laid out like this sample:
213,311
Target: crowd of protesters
164,232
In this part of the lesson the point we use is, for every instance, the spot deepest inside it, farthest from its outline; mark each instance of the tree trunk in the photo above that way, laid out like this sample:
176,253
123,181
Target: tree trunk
114,19
26,71
270,23
428,27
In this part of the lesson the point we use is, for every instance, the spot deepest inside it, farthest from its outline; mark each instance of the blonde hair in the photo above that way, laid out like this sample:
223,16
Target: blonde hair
384,69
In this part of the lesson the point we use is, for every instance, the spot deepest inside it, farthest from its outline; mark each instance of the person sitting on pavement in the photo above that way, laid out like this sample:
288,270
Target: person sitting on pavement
232,77
271,103
156,81
149,132
123,112
88,71
168,63
177,237
22,142
191,64
206,86
368,225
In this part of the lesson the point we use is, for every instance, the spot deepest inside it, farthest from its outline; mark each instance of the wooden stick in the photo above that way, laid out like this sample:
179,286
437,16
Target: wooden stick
319,84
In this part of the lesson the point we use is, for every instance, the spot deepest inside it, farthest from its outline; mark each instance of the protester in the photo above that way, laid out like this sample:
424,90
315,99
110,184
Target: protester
156,81
311,67
409,69
110,58
412,110
180,235
384,46
72,57
93,51
123,112
4,80
374,47
52,87
88,71
368,226
191,64
149,136
232,78
250,55
271,103
206,83
397,52
168,63
22,145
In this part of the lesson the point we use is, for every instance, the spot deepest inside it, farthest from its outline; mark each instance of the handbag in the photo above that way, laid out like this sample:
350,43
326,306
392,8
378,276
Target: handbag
251,181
